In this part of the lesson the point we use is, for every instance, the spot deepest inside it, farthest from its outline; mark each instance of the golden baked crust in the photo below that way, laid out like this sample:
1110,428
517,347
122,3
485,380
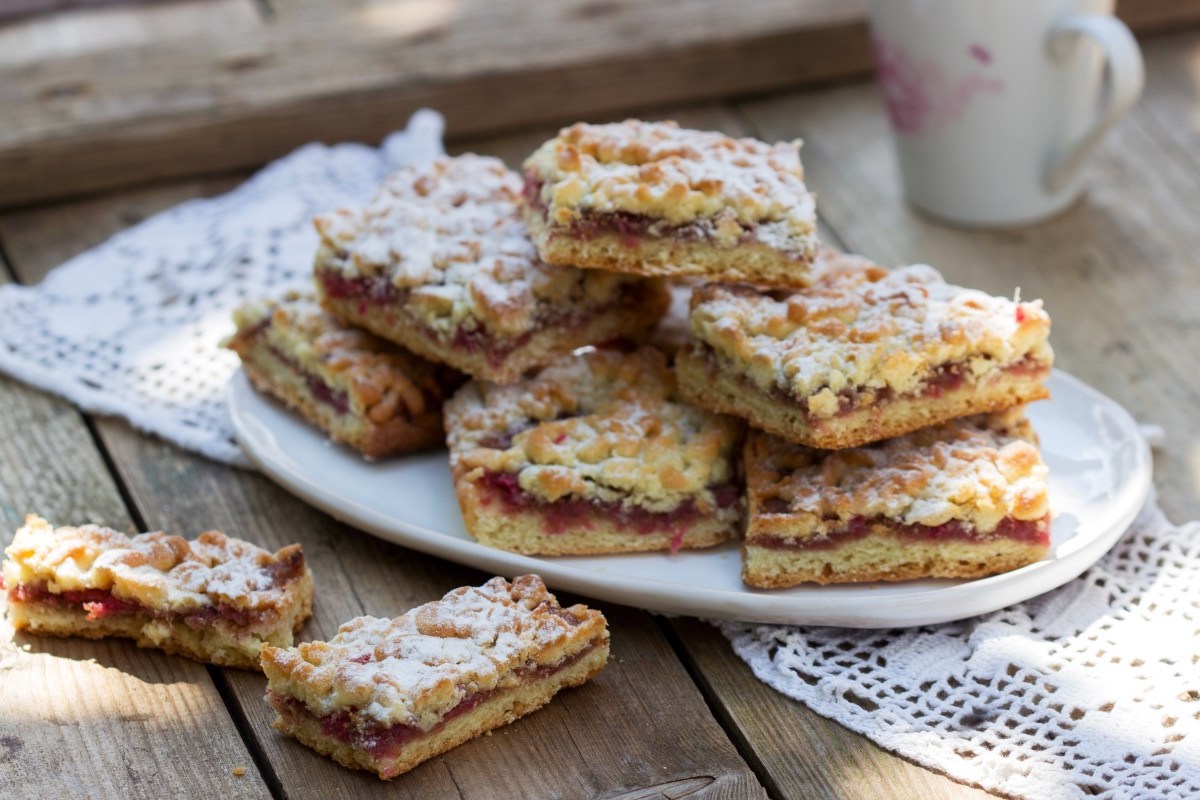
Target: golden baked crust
393,399
650,198
865,329
449,241
660,170
154,569
415,668
601,425
215,599
976,471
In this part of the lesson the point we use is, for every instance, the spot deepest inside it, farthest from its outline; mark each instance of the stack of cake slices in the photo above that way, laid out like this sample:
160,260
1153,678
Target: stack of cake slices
642,346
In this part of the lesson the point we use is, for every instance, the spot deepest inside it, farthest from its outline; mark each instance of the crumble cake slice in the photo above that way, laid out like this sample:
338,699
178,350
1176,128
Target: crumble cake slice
215,599
593,454
440,263
386,694
651,198
360,390
863,354
962,499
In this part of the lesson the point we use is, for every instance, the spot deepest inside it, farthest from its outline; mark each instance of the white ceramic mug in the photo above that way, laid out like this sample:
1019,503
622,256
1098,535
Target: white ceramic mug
995,104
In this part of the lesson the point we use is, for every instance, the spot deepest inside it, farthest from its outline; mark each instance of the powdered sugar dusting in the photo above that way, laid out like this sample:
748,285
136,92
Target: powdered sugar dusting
155,569
601,425
661,170
861,326
976,470
452,233
412,669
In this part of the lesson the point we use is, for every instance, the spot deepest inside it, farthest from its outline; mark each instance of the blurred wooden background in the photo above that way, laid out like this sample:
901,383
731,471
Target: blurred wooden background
105,93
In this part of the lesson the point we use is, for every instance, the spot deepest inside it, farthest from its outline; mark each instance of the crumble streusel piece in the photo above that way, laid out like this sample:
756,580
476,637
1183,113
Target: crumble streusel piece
215,599
357,388
863,354
386,694
962,499
440,262
593,454
651,198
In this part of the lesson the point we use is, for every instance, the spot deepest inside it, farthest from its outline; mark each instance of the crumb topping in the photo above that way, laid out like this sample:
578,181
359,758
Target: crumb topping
600,425
451,234
976,470
860,326
380,378
153,569
413,669
660,170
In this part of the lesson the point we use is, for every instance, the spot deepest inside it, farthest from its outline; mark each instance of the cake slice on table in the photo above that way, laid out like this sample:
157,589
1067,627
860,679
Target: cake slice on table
386,694
958,500
440,263
593,454
215,599
357,388
863,354
651,198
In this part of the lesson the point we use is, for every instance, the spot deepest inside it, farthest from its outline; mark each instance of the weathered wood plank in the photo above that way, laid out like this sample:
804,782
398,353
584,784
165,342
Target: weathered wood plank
804,755
114,117
1117,272
95,117
96,719
82,31
642,726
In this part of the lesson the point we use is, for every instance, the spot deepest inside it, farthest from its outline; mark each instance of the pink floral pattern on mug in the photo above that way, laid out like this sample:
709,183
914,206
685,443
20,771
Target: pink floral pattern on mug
918,95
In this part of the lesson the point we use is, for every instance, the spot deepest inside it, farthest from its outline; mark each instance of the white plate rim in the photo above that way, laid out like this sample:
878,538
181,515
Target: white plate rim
956,601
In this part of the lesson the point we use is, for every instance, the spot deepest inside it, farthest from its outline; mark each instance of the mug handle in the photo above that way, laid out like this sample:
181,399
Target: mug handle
1125,73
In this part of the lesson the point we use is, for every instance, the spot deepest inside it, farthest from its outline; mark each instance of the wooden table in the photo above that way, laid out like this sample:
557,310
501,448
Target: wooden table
675,714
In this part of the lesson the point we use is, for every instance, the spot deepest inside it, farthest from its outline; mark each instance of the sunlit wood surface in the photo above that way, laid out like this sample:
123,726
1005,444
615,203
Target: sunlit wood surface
676,714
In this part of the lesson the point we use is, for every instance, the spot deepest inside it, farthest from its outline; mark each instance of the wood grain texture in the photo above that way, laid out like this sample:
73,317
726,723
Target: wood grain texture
642,728
334,71
96,718
805,755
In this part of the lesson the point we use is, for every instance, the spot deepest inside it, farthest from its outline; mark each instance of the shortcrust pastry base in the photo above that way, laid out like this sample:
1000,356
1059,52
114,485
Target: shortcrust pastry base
884,557
272,376
752,262
212,644
521,530
728,393
500,710
631,322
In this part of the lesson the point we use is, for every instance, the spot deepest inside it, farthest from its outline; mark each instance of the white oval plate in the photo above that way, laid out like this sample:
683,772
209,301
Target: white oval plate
1100,470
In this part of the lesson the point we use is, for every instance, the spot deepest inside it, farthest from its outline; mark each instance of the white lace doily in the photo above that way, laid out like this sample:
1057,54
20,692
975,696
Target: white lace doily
1089,690
132,327
1092,690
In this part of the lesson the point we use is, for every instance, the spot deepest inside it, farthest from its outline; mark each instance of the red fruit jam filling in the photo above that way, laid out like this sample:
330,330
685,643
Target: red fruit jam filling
385,743
377,291
1034,532
943,379
573,514
630,229
100,604
338,400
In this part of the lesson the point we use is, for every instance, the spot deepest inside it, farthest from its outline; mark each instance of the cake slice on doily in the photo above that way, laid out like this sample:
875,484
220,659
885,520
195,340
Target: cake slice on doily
863,354
440,263
216,599
359,389
958,500
593,454
651,198
386,694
